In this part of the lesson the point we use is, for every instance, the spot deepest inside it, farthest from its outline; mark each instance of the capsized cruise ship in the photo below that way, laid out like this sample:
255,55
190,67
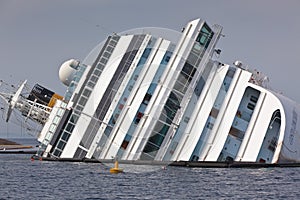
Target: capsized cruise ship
162,95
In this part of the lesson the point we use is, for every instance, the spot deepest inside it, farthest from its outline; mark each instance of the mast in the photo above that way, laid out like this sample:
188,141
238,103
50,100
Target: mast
29,109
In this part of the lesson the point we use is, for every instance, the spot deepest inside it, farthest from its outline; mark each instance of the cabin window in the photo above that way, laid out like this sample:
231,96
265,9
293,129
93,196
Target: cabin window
273,144
61,145
253,98
195,158
167,58
106,55
250,106
209,125
52,128
70,127
147,99
186,119
113,42
60,112
65,136
135,77
86,92
82,101
56,119
103,60
146,53
79,108
124,144
100,66
74,119
97,72
57,153
109,49
205,35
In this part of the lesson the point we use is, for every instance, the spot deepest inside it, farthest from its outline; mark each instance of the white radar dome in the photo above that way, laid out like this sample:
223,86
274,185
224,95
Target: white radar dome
67,71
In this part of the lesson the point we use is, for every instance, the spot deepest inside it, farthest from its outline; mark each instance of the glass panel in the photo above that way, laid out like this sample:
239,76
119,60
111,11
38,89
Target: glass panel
82,101
205,35
61,145
57,153
65,136
239,126
70,127
86,92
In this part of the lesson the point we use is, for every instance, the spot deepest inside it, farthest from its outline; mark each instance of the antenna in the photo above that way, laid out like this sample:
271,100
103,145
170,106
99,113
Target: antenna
12,102
30,109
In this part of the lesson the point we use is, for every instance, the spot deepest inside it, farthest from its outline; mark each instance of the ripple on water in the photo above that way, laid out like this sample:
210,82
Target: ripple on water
21,178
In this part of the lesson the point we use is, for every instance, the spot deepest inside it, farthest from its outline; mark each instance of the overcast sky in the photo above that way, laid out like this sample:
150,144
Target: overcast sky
36,37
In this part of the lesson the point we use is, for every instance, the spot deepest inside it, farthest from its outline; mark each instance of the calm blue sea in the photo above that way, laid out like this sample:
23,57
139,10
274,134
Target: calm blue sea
21,178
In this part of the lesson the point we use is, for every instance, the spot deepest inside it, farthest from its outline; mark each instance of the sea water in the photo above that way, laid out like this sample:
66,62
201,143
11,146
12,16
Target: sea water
21,178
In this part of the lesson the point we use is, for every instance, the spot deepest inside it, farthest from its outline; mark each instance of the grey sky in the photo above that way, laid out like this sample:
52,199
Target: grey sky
37,36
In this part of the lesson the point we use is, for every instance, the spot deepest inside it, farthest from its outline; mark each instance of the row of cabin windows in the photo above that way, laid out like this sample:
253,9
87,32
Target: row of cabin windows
173,103
86,93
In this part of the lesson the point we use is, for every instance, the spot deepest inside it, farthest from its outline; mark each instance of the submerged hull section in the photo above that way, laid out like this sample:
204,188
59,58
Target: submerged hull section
146,96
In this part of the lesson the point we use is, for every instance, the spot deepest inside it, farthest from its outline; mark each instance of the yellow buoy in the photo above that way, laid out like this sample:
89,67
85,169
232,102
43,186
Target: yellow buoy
116,169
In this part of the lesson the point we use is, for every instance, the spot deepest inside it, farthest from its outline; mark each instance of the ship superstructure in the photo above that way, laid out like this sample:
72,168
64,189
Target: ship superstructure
156,94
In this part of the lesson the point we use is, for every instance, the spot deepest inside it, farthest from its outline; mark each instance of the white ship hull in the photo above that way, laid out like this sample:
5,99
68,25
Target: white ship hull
154,94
